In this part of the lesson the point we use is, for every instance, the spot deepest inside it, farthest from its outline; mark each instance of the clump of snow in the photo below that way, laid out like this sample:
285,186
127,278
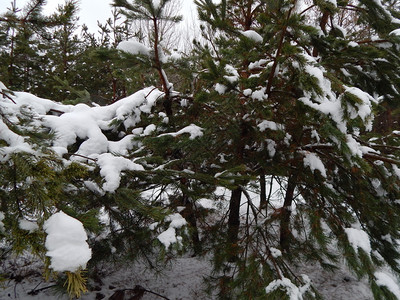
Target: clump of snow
396,170
66,243
68,126
259,94
258,64
1,218
111,168
193,130
220,88
358,239
364,109
275,252
156,4
247,92
122,146
294,292
354,146
383,279
380,191
252,35
233,74
177,221
169,236
313,161
395,32
270,125
353,44
16,143
134,47
149,129
271,147
28,225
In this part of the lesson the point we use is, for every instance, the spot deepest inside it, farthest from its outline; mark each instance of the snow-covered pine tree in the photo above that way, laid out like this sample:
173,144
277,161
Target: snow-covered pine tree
290,93
155,14
284,91
169,136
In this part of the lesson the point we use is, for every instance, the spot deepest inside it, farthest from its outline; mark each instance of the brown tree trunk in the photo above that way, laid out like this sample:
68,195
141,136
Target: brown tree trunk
158,66
234,220
285,232
189,214
263,192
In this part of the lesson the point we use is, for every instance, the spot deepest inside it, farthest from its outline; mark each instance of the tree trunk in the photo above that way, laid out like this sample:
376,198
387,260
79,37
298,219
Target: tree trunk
263,192
189,214
234,221
167,103
286,213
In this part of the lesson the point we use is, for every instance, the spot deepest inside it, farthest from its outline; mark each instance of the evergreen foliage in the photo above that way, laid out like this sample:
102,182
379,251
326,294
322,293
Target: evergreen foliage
294,101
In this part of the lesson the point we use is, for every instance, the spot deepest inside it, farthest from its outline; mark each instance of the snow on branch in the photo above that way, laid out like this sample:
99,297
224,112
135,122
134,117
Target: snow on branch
294,292
66,243
169,236
83,126
358,239
193,130
133,47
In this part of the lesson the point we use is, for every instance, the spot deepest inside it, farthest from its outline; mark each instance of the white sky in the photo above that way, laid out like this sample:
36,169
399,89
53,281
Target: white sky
93,10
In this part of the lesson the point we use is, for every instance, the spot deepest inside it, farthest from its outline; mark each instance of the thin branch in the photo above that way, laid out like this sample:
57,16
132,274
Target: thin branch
308,8
86,157
37,4
278,53
374,156
8,97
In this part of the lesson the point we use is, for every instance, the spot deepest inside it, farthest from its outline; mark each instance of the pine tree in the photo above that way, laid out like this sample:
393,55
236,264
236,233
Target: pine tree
154,13
290,94
23,31
283,91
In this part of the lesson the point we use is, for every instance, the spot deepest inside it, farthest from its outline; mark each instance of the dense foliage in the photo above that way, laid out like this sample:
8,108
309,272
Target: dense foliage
293,101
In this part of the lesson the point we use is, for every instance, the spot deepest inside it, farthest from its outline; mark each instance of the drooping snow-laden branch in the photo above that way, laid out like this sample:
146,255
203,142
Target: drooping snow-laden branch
370,155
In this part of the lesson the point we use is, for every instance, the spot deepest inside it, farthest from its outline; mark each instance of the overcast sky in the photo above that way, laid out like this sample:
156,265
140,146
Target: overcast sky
93,10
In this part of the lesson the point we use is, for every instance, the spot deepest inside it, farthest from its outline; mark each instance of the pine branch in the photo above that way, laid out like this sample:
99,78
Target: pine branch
5,95
370,155
374,156
33,8
278,53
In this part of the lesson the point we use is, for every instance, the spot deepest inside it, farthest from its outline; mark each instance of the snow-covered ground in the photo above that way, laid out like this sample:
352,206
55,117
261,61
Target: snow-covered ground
181,279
